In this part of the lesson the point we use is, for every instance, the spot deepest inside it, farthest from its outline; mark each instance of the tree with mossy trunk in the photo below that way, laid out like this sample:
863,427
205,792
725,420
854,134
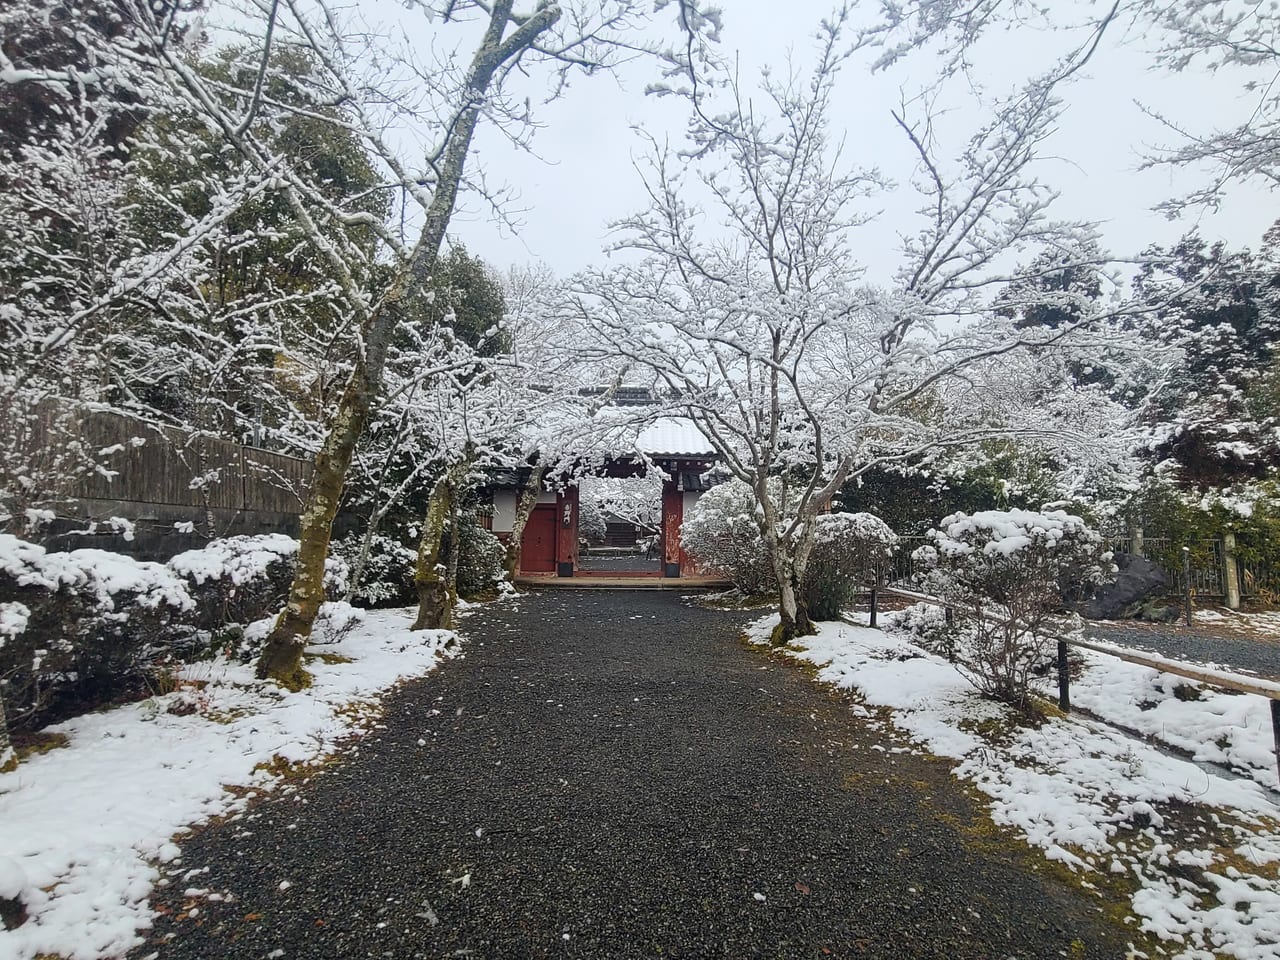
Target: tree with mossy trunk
527,499
436,573
281,657
509,39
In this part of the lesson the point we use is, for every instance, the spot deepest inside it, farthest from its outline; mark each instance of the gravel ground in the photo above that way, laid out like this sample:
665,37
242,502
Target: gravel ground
1197,644
610,775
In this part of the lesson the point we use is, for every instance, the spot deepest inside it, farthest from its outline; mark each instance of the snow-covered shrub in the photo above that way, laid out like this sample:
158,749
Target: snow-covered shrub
95,622
721,533
481,559
1004,573
926,624
242,579
591,523
14,618
387,577
848,549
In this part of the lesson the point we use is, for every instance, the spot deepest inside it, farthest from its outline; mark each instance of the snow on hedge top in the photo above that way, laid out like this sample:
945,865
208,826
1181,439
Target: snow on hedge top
241,560
100,572
1005,532
861,527
238,559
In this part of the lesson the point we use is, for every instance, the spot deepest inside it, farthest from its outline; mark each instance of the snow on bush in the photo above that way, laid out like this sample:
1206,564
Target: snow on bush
98,623
1004,574
242,579
481,559
95,620
848,550
592,526
387,577
722,534
335,620
926,624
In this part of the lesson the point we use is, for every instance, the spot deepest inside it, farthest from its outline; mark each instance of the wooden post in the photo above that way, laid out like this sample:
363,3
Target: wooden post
873,606
1275,730
1064,678
672,517
1186,581
567,531
1230,570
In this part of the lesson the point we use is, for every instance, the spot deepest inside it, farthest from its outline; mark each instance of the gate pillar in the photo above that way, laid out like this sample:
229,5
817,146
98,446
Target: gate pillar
567,531
672,518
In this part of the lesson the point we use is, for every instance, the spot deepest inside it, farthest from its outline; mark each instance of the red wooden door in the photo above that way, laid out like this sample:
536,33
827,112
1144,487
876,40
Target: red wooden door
538,547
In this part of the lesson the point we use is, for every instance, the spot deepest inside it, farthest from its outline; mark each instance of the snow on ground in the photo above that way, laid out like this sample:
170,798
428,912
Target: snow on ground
1264,623
82,827
1195,853
1218,726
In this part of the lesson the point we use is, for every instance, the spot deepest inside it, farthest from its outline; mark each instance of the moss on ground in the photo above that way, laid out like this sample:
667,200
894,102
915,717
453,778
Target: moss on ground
330,658
34,744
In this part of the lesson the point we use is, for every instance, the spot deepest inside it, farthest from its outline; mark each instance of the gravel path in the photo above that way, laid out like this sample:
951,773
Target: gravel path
613,775
1260,657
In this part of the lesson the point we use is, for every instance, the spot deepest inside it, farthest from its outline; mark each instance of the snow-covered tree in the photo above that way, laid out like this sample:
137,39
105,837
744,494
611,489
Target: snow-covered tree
753,314
633,500
1214,421
1235,37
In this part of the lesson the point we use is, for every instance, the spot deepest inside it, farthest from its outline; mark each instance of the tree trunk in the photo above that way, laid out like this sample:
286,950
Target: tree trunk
435,612
281,658
453,549
789,567
8,759
525,503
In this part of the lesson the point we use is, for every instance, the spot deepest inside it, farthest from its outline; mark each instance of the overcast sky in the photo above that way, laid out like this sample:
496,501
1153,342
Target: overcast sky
583,176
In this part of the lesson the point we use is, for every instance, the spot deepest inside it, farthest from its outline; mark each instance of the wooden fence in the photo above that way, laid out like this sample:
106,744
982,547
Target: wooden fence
1222,679
124,459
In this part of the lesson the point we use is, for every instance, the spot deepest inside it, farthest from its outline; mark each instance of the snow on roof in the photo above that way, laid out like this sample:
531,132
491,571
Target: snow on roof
673,437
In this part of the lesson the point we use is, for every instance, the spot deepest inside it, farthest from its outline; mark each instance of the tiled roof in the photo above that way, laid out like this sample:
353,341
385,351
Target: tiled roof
673,437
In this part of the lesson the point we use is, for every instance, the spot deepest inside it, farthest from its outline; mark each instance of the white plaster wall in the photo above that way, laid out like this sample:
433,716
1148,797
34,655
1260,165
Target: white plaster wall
690,498
547,496
504,510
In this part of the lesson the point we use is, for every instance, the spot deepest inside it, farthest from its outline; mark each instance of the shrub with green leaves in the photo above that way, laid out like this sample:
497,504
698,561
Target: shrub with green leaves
1005,574
481,559
92,624
722,535
927,626
848,552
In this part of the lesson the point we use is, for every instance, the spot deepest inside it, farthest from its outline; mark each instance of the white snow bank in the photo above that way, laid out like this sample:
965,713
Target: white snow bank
1071,786
87,821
